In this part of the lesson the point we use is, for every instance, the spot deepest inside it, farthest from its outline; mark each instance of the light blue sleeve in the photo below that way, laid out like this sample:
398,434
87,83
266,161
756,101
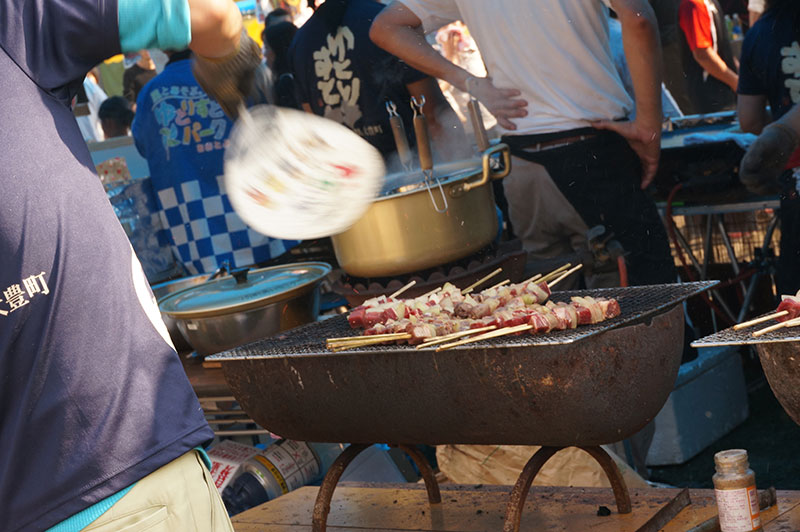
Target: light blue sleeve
162,24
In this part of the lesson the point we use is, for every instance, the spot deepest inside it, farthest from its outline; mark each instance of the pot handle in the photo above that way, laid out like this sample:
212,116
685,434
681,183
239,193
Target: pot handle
488,173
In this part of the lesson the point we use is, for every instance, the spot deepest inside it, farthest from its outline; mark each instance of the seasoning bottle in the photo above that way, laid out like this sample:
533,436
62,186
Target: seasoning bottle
735,491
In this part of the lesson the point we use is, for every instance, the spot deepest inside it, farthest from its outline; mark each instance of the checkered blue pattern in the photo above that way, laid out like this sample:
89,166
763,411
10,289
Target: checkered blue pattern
206,231
182,133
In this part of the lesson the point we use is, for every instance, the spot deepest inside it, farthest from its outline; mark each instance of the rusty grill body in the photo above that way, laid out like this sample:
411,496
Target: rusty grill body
557,389
779,352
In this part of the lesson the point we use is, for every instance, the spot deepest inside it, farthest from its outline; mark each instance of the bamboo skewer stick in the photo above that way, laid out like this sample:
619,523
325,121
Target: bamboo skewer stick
555,273
762,319
492,334
347,339
564,276
446,338
403,289
790,323
429,294
480,281
501,283
532,279
368,340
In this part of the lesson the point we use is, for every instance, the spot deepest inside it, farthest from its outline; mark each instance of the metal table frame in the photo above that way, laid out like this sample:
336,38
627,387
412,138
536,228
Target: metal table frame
716,223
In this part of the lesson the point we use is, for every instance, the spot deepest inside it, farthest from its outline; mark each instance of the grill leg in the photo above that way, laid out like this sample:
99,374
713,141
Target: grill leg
322,506
431,486
516,501
614,475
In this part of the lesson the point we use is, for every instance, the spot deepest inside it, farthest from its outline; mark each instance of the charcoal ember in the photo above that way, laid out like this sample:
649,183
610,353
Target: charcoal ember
437,277
457,270
603,511
393,285
359,287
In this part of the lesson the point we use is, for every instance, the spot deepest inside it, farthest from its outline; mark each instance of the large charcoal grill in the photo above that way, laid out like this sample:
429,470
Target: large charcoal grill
779,352
585,387
550,389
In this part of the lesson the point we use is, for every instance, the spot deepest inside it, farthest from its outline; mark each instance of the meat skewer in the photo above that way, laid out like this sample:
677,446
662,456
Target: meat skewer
791,323
480,281
788,309
453,336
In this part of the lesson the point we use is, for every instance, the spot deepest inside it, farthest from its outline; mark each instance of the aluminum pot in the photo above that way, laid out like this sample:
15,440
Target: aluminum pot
246,306
162,290
402,231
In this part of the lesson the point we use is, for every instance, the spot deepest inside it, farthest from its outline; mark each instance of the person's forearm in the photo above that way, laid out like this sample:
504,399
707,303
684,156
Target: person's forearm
716,67
409,44
216,27
752,112
643,53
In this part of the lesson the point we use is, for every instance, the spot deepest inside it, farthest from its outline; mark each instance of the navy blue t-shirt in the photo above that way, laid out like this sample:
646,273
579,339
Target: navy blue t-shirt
344,76
770,60
92,395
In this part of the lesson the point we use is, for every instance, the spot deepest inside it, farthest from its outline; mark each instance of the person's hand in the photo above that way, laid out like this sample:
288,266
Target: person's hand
766,158
229,79
502,103
645,141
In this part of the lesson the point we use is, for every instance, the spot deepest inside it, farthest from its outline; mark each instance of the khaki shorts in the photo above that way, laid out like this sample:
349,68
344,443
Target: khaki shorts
179,496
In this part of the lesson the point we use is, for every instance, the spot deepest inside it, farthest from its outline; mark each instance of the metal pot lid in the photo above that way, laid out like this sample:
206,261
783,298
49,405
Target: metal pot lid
244,290
407,182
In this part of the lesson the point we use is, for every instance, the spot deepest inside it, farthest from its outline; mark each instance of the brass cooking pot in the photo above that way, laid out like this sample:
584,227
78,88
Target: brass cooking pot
403,231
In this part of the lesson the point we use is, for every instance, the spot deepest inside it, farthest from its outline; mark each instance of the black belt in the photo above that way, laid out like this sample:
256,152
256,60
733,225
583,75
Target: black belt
547,141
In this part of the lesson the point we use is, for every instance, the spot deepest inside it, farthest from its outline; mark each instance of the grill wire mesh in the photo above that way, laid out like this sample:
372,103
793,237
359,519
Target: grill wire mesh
636,303
745,336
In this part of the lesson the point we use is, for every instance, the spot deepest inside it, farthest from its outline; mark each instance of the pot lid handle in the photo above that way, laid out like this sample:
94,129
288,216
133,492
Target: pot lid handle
240,274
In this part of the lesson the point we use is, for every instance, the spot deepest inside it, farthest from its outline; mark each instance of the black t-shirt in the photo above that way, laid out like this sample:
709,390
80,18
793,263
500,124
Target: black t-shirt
92,395
344,76
770,62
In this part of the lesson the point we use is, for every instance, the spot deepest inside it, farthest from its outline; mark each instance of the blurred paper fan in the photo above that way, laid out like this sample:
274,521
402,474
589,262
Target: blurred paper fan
298,176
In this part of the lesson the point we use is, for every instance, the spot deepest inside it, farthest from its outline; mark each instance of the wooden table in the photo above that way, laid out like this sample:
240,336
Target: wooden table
404,507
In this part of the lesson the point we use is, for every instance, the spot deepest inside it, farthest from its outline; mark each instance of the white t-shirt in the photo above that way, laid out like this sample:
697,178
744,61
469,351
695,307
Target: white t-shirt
556,53
756,6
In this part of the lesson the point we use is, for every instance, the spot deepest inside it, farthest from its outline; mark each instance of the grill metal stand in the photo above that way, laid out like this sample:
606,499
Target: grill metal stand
322,505
516,501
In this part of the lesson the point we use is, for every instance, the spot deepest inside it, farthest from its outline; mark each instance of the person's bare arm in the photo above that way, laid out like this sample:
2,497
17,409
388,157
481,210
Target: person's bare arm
216,27
226,58
643,53
752,112
715,66
396,30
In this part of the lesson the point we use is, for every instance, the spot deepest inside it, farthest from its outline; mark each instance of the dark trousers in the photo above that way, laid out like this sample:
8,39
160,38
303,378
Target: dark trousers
788,270
601,177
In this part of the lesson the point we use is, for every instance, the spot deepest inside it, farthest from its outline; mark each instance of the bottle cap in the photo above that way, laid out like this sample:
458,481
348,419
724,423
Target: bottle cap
731,459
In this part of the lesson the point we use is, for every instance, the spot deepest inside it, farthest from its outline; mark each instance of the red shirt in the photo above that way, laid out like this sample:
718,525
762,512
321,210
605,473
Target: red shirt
697,23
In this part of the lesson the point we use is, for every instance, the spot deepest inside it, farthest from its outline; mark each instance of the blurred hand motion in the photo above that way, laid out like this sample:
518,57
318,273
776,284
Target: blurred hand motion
229,79
767,157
